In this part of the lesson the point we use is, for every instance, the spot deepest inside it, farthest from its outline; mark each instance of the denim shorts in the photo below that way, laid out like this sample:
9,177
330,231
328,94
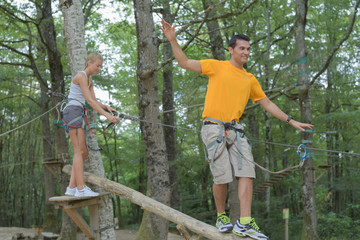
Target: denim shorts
70,113
225,166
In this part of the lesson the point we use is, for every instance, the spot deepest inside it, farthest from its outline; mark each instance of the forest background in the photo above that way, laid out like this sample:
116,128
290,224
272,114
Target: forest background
328,68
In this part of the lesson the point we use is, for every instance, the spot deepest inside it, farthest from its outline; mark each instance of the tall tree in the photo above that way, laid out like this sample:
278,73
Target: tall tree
307,172
152,226
74,33
169,113
50,217
268,9
74,38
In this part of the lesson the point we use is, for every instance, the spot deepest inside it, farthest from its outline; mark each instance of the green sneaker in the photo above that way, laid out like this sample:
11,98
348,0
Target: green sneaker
250,230
223,223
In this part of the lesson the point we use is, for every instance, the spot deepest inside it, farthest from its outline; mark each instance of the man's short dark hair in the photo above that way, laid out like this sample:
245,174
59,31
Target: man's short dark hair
232,42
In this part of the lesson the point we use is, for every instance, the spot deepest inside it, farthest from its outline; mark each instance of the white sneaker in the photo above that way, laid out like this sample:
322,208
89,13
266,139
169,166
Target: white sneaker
70,191
250,230
85,192
223,223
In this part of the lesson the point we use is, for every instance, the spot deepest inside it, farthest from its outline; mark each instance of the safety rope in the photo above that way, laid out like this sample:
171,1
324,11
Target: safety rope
302,160
132,118
32,120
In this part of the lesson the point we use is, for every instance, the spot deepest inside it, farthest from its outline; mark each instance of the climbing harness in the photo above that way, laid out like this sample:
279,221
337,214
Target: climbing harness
222,138
302,150
67,125
85,123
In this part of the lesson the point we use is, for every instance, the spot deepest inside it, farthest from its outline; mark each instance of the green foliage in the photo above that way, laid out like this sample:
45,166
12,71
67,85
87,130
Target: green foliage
334,227
335,110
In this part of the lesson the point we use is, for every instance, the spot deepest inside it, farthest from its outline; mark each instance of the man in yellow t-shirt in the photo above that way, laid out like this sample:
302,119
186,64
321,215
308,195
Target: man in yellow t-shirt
229,89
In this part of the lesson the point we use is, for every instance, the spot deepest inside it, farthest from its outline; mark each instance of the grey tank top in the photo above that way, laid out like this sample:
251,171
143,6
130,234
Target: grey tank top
76,96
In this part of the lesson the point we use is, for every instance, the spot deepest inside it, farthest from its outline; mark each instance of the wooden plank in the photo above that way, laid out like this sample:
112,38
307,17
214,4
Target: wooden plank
80,222
157,208
72,198
67,198
88,202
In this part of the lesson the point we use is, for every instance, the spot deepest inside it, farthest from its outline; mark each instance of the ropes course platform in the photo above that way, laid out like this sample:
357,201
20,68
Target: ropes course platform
200,229
54,166
70,205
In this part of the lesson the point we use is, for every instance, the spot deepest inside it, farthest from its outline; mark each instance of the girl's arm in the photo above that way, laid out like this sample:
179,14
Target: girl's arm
103,106
90,97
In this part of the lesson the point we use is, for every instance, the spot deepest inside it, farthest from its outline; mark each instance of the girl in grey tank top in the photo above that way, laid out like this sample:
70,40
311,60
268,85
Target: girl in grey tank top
81,89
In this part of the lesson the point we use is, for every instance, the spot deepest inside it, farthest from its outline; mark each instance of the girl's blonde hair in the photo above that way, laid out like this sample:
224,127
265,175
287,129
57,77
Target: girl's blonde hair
93,57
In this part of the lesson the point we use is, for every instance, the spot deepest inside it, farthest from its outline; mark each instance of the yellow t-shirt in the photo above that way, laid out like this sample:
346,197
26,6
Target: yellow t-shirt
229,90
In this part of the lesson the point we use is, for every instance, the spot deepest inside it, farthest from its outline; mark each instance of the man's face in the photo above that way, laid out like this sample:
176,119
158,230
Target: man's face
240,53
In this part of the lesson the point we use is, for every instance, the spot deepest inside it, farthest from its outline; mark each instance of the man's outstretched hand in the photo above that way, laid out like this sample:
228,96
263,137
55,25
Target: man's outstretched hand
301,126
168,30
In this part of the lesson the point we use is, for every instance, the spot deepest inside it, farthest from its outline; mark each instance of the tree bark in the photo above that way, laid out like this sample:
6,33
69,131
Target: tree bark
267,114
158,187
75,42
47,31
307,171
50,217
74,33
95,165
216,40
169,113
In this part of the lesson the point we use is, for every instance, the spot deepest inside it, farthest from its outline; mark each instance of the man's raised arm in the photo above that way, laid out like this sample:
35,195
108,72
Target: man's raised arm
184,62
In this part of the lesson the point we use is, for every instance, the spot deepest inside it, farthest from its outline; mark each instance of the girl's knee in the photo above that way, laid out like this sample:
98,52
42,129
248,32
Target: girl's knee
85,154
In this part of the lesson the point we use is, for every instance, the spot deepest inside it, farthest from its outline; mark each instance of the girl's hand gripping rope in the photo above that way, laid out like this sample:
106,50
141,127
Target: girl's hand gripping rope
111,116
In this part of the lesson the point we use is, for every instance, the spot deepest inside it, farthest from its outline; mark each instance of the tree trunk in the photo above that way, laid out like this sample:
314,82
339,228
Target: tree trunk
158,187
117,177
267,114
169,113
307,171
216,40
94,164
142,189
74,33
47,30
50,217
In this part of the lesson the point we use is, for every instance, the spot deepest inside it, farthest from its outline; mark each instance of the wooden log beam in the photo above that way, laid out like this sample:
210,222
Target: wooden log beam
157,208
183,231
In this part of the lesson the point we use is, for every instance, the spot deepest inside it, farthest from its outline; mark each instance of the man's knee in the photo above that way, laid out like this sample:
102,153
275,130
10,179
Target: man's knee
219,188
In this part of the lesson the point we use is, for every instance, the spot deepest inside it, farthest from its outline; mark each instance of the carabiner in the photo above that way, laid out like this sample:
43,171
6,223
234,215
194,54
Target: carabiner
305,153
